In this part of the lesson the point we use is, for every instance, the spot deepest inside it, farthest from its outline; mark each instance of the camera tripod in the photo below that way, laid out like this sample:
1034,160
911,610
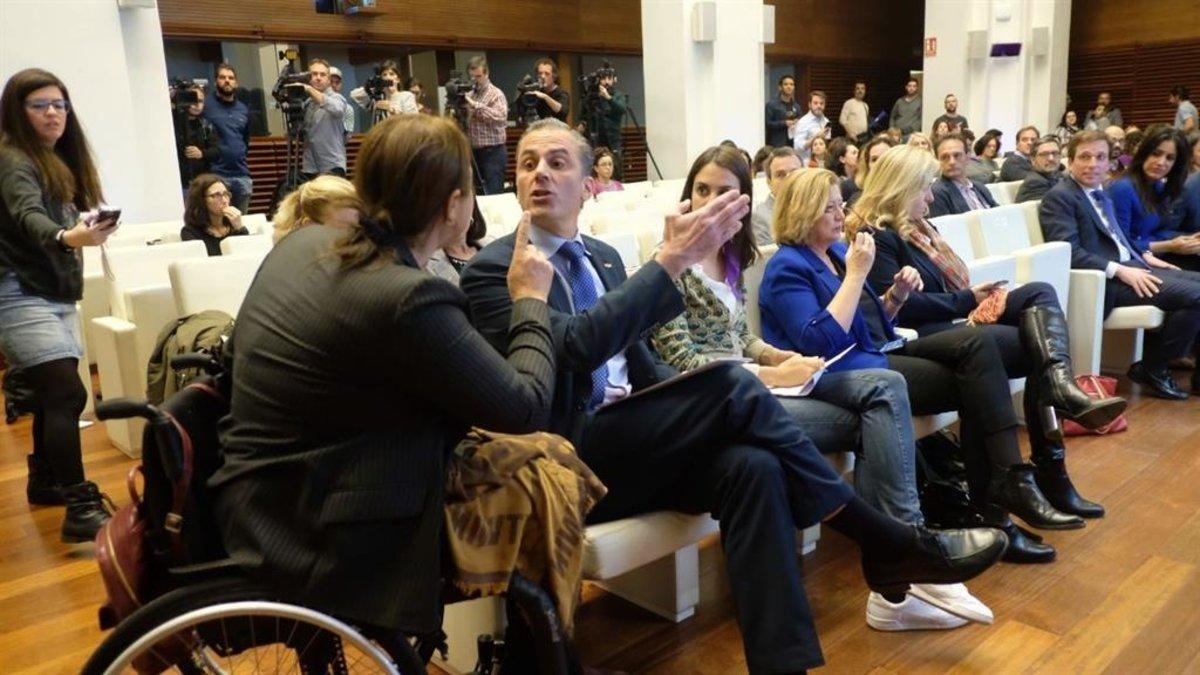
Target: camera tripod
294,153
591,117
459,114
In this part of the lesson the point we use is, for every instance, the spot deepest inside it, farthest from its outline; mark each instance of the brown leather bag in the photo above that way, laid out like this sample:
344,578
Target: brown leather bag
121,555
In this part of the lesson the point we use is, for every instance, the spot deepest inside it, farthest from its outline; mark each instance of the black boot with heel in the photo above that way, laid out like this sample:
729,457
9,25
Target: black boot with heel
1049,458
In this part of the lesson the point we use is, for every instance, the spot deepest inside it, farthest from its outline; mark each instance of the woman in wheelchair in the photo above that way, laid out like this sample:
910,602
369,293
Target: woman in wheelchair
355,373
1027,322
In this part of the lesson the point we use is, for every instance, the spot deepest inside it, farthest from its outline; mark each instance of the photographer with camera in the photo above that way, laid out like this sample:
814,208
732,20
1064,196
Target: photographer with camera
383,96
487,121
196,140
231,118
604,110
552,100
324,114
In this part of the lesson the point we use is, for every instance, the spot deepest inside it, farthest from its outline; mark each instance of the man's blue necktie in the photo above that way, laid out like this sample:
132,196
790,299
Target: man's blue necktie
583,292
1114,229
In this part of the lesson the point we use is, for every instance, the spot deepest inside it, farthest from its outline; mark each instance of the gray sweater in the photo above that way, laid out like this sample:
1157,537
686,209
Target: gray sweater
30,221
906,115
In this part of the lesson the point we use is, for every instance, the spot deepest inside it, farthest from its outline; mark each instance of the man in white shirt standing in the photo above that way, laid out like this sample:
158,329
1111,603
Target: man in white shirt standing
856,114
811,125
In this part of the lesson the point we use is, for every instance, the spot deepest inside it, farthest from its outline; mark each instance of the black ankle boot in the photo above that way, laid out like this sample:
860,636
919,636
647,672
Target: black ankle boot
1024,547
41,488
1044,336
1015,490
1050,473
87,510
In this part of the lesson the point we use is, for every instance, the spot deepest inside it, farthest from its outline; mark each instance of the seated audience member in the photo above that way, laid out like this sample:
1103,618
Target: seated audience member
953,191
602,179
1104,115
983,167
448,261
208,215
325,200
1144,198
817,153
873,150
1080,212
756,165
332,487
841,408
717,441
1020,161
1067,127
842,157
894,134
814,300
1119,159
1046,171
1027,323
920,140
940,129
779,165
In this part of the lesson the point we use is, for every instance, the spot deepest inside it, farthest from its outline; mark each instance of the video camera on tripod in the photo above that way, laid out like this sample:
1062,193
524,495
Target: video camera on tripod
526,101
456,97
591,82
183,92
290,99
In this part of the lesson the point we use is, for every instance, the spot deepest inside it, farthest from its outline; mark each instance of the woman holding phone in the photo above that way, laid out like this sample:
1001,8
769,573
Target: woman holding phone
48,181
209,215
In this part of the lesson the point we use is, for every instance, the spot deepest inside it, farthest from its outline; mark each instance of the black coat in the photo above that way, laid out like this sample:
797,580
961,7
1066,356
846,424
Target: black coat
621,320
927,311
1036,185
947,199
1015,167
350,388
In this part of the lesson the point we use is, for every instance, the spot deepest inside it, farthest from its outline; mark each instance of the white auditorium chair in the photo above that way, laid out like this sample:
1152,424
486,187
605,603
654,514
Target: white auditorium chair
502,212
257,223
626,244
141,304
140,234
1004,193
1005,231
1095,342
218,282
251,244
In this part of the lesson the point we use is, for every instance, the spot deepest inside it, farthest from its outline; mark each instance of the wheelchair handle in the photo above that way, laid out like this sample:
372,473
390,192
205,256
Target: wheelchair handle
165,434
124,408
196,360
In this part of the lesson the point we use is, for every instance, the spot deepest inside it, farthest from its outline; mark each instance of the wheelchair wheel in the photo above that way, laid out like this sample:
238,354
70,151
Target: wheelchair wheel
231,626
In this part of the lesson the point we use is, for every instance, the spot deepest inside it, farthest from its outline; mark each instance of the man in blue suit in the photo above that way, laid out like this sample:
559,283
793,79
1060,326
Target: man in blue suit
714,440
1079,211
954,192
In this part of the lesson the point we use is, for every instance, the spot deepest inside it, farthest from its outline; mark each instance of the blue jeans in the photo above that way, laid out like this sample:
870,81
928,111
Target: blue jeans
491,161
241,187
34,330
866,412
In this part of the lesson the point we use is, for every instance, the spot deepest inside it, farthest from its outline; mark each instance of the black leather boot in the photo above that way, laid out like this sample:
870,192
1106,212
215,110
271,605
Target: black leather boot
87,510
1195,369
1048,456
41,488
1014,490
1044,336
1024,547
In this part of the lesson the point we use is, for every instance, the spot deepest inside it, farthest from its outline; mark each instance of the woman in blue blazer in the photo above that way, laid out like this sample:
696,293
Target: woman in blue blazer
814,300
1027,323
1146,197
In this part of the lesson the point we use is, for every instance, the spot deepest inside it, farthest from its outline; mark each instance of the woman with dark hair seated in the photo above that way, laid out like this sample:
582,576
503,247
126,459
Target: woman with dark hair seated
208,216
865,412
851,186
448,262
815,300
1144,198
842,158
983,166
1026,323
355,373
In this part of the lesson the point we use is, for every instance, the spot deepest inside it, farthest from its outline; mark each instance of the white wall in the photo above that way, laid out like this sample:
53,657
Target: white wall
698,94
112,62
1002,93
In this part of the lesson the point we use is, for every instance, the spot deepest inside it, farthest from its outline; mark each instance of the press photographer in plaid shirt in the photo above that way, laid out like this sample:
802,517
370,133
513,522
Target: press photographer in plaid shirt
487,118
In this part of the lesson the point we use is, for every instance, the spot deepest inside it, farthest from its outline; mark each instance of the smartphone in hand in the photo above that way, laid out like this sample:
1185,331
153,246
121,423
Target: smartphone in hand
106,217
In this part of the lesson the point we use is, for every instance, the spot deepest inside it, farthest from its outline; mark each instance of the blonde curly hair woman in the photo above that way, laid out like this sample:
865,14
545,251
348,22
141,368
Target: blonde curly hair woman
329,200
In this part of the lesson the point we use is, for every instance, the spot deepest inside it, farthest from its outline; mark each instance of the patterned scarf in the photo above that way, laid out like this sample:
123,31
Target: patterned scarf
926,238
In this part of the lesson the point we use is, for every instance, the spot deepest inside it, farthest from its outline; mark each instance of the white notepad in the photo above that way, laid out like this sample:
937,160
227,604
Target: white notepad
806,388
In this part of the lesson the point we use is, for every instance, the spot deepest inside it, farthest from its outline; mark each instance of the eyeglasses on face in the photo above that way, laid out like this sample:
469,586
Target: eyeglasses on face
42,105
220,195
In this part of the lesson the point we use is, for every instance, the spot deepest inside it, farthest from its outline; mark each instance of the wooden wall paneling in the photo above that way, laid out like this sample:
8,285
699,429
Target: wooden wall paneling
885,83
1105,24
1138,76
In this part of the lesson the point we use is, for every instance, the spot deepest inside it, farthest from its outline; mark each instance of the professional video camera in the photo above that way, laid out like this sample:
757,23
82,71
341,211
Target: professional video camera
591,81
456,96
376,87
183,92
526,102
290,101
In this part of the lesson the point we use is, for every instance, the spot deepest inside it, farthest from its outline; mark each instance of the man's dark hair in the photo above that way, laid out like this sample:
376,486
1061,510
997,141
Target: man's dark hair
548,62
1180,92
776,154
953,136
913,80
1155,136
948,96
225,66
1044,140
982,143
322,62
786,77
1086,136
1032,128
860,81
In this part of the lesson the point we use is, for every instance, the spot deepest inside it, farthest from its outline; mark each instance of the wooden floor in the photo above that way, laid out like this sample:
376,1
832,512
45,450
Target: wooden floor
1123,597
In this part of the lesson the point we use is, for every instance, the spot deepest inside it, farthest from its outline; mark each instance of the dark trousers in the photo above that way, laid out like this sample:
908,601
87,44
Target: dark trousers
961,369
491,161
719,442
1179,297
1187,262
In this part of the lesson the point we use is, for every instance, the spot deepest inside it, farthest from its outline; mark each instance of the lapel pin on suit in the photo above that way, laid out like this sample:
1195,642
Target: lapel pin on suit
607,265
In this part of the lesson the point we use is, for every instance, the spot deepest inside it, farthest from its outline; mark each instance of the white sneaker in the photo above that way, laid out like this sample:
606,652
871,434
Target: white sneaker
911,614
954,598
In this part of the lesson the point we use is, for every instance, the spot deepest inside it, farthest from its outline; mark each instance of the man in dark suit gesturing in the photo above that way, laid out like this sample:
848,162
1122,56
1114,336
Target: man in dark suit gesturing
1079,211
954,192
712,441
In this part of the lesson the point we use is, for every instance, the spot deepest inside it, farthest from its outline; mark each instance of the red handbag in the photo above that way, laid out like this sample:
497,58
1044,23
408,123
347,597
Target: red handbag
1096,386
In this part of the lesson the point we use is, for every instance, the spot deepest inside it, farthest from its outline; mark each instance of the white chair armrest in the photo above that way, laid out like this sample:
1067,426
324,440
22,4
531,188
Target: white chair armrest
149,308
115,343
1085,317
993,268
1050,263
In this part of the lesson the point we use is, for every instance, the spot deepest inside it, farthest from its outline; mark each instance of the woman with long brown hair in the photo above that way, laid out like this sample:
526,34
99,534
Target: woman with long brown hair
208,214
47,180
